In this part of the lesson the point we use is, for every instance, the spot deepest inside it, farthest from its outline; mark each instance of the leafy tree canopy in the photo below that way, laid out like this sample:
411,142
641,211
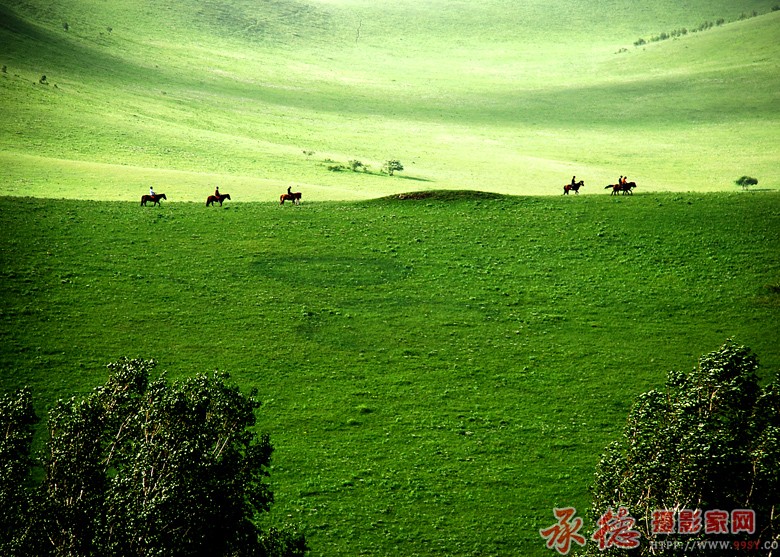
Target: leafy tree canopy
140,467
746,181
709,440
392,166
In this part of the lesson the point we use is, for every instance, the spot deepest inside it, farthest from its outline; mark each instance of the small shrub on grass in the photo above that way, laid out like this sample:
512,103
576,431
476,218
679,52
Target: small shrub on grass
356,165
392,166
746,182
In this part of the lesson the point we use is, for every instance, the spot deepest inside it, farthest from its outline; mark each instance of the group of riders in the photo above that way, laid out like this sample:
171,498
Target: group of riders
623,185
154,197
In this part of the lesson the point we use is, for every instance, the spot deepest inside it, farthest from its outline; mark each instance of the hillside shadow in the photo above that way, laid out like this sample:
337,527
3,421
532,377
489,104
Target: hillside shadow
444,195
413,178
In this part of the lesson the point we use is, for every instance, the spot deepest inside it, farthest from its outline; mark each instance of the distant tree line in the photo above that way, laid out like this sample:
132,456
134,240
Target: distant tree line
704,26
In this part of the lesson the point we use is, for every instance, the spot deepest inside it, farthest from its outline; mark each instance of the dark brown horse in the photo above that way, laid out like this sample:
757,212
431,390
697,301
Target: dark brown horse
295,197
573,187
154,198
210,200
624,188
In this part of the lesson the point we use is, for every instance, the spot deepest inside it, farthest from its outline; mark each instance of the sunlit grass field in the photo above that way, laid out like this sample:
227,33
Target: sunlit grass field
437,374
497,96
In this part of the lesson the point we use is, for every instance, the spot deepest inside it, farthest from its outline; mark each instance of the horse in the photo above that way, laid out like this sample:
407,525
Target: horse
295,197
154,198
210,200
624,188
576,187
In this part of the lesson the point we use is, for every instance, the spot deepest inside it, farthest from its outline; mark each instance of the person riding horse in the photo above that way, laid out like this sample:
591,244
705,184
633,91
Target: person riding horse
575,185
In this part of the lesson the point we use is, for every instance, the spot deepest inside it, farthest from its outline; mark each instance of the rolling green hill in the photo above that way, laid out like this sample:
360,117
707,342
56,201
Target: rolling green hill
437,373
499,96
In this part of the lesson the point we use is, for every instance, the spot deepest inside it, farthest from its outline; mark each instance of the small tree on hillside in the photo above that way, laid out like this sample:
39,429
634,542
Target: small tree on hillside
392,166
710,440
356,165
142,467
746,182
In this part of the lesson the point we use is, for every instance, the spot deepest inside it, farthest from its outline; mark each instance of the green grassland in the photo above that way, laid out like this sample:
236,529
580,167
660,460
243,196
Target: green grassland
437,372
497,96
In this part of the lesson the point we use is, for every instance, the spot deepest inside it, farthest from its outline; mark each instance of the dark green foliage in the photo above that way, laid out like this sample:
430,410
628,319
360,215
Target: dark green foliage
142,467
709,440
17,422
392,166
746,181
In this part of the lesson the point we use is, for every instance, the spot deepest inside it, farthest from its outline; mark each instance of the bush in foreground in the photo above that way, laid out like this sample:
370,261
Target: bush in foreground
140,467
710,440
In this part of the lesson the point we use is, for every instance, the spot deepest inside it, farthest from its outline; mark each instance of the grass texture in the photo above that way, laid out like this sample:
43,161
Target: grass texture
438,372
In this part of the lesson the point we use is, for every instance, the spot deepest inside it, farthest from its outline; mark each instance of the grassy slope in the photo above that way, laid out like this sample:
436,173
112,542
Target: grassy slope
515,100
437,376
524,326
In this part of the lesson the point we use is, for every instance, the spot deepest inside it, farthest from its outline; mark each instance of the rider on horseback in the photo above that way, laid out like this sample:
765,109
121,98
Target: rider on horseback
151,191
216,192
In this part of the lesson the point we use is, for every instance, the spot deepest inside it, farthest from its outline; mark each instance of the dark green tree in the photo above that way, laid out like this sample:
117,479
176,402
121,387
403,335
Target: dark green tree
709,440
392,166
147,467
355,165
746,182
